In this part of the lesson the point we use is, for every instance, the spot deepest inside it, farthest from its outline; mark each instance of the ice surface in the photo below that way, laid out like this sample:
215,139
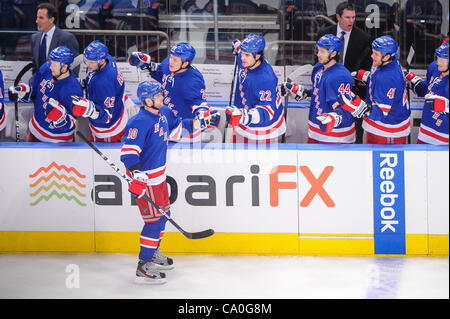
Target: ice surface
223,277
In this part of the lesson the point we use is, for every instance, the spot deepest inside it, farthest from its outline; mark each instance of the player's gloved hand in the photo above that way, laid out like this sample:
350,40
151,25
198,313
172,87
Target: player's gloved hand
361,75
329,121
21,92
353,104
58,113
142,61
236,45
138,185
412,78
207,118
437,103
294,90
238,116
83,107
214,119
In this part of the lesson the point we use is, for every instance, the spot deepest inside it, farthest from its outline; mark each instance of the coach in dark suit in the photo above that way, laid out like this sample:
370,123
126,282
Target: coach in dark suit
49,36
356,49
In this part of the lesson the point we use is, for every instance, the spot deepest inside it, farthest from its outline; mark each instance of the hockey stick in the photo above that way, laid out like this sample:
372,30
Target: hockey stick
16,104
77,61
408,65
286,102
231,99
299,71
197,235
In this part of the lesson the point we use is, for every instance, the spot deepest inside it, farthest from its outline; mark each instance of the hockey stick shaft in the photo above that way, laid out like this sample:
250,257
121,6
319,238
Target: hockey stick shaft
297,72
285,109
231,96
16,104
408,65
197,235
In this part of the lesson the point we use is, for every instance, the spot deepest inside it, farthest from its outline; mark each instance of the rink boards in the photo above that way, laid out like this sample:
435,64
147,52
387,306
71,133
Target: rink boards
287,199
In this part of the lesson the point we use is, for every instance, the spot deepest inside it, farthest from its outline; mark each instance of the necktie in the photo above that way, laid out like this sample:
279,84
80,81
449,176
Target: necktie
43,50
341,53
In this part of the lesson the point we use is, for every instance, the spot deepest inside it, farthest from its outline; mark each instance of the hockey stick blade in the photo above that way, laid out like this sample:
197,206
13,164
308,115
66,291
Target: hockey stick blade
299,71
195,235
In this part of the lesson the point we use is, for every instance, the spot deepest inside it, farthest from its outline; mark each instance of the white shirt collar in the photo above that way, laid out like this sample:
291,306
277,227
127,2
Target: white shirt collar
50,32
339,31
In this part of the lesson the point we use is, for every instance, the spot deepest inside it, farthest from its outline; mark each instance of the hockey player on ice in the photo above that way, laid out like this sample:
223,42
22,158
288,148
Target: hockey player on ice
328,121
106,100
52,88
434,126
386,109
144,154
257,113
183,84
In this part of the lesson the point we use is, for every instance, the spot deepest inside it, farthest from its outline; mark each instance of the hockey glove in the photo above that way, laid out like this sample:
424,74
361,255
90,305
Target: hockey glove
361,75
238,116
138,185
236,45
329,121
142,61
412,78
353,104
207,119
294,90
84,108
436,103
21,93
58,113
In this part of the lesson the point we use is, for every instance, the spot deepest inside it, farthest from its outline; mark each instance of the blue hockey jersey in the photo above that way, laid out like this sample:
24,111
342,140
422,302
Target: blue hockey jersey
258,89
106,88
434,126
2,104
45,87
184,92
145,141
327,85
387,93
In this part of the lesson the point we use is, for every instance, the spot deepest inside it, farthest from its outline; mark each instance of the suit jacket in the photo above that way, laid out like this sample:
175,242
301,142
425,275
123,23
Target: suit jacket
359,50
59,38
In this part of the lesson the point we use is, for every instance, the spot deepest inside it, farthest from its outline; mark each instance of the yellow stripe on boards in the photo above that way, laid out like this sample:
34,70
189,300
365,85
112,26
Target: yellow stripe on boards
219,243
336,244
44,241
438,245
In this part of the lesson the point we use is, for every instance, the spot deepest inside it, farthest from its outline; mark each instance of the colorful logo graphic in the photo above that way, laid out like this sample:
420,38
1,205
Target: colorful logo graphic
57,180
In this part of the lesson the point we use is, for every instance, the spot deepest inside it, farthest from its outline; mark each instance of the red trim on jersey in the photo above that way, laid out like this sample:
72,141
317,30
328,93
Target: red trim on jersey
53,137
111,128
156,174
255,132
433,135
387,129
334,134
267,108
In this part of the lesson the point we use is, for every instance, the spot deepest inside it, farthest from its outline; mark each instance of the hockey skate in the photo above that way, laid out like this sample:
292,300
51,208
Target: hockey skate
146,273
162,262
